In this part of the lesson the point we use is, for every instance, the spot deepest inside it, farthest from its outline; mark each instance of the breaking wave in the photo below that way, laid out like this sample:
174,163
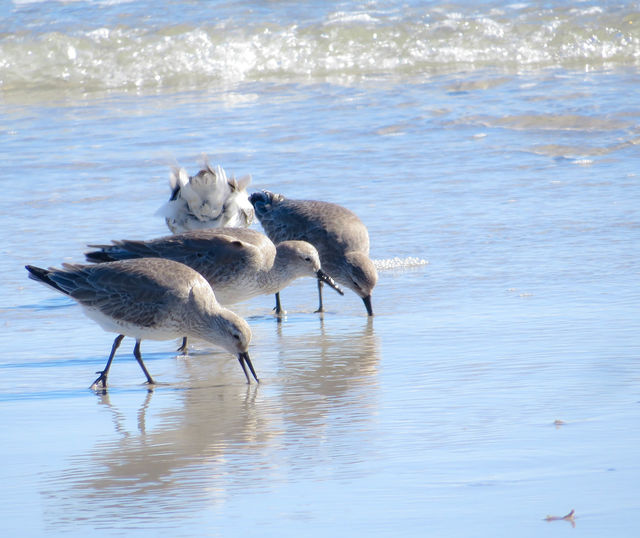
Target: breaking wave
342,46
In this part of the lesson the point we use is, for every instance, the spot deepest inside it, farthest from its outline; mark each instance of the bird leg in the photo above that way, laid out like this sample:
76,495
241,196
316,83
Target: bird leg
183,347
279,310
104,373
138,356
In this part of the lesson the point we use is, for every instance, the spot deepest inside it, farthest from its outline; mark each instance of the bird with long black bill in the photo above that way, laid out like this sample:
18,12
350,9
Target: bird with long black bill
150,298
340,237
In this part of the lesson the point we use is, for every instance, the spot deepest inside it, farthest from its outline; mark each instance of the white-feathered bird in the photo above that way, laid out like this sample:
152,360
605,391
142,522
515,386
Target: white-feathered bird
207,200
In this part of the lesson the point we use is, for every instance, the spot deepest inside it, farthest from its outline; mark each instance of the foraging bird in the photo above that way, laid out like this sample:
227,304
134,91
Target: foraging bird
152,299
239,263
340,237
207,200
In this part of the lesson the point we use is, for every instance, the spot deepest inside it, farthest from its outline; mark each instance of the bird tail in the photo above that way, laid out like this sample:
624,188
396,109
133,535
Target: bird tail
43,276
99,256
120,250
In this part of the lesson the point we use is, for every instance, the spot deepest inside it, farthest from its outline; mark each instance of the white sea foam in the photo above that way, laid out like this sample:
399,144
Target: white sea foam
388,264
341,44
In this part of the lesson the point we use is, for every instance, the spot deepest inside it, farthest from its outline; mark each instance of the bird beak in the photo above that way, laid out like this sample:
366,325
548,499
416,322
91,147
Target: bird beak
244,358
367,302
324,277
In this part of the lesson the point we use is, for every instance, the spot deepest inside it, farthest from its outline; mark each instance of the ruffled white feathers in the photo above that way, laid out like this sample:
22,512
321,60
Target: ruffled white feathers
208,199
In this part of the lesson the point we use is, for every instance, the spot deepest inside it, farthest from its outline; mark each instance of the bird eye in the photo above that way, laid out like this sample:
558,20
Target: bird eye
307,259
237,337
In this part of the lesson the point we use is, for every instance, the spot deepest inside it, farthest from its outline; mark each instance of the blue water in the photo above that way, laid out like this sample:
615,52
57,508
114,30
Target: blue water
498,142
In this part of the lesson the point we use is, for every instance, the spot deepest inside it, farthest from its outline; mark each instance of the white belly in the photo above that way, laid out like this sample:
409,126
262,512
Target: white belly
168,331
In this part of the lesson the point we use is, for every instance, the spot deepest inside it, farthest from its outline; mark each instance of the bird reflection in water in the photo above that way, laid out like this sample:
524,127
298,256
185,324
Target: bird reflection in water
199,442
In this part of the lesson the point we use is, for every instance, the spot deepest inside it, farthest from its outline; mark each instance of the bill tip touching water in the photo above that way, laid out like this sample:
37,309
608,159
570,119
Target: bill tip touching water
175,286
341,238
485,137
149,298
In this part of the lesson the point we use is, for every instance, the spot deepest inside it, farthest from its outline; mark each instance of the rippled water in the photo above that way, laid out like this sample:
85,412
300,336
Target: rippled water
137,45
491,149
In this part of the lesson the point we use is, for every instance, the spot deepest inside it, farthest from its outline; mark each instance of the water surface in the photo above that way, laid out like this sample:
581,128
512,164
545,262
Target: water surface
496,385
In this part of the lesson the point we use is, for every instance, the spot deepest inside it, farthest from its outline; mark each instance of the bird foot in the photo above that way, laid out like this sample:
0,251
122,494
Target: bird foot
184,347
102,379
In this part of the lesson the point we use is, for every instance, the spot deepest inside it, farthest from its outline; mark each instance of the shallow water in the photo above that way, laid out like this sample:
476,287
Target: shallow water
515,179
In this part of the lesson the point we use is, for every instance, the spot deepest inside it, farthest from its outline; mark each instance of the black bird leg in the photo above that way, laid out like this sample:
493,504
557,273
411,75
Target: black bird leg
183,347
279,310
103,375
138,356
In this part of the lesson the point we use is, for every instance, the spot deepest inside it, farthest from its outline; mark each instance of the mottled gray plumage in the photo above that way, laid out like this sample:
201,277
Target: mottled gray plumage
239,263
149,298
340,237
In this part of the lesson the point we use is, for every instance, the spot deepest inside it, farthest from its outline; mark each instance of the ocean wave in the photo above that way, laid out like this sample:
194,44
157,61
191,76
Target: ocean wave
343,46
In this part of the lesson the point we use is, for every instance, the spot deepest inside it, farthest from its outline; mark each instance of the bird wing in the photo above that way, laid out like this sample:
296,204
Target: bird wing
211,254
132,296
323,224
264,247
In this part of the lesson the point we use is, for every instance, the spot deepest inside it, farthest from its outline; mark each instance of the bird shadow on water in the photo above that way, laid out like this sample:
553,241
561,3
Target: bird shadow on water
45,305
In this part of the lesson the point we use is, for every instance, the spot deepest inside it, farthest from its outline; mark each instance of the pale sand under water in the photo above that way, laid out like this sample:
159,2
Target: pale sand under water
497,384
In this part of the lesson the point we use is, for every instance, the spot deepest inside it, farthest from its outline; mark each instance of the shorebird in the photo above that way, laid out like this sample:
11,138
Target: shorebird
207,200
152,299
340,237
238,263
